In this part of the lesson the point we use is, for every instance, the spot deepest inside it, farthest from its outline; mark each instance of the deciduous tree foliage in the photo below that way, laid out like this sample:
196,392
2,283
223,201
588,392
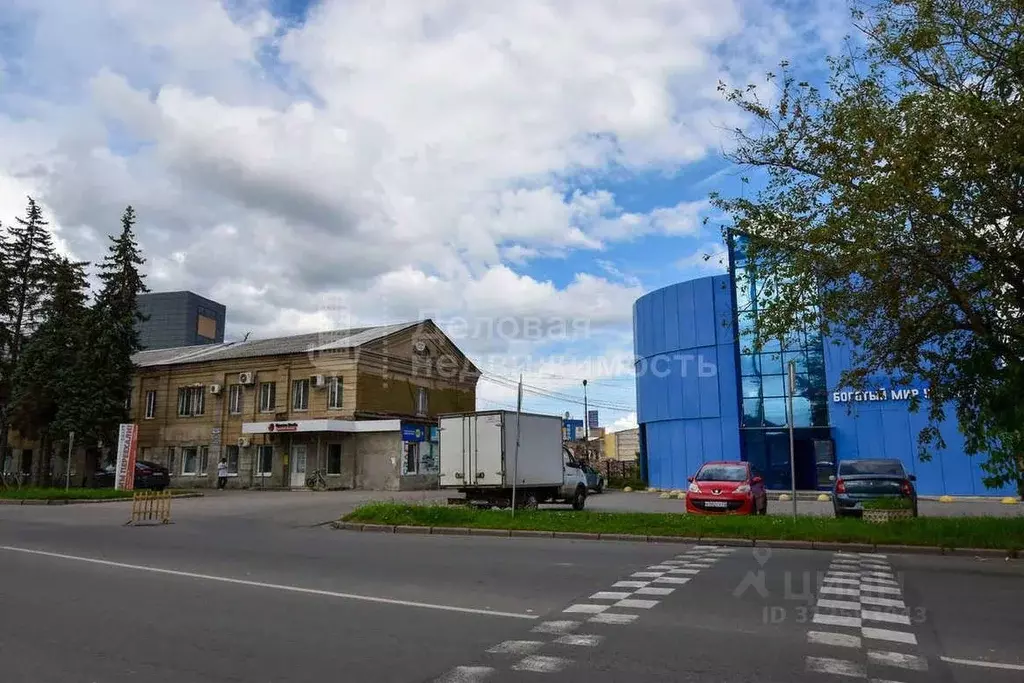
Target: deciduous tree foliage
893,208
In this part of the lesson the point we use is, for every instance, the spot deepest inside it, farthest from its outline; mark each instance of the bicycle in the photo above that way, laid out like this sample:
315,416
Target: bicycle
316,481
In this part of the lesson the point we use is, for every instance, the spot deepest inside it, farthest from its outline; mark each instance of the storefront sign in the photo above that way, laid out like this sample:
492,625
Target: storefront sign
283,427
434,434
878,395
413,432
127,443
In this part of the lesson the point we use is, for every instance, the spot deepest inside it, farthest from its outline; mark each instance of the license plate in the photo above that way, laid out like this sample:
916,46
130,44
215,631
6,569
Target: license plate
716,504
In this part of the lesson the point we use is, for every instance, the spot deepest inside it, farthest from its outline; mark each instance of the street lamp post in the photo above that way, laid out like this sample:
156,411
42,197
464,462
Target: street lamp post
586,423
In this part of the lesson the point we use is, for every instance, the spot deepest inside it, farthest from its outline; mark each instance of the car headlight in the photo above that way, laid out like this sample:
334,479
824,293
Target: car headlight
693,488
743,488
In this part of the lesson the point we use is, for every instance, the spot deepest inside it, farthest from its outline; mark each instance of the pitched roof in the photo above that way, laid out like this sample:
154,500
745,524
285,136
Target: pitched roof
277,346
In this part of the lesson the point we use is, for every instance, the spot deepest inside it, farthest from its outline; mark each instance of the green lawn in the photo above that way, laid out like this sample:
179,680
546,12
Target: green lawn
1006,533
31,493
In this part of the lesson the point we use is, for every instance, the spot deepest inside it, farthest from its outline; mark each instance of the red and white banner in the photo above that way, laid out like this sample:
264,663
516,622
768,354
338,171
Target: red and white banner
127,443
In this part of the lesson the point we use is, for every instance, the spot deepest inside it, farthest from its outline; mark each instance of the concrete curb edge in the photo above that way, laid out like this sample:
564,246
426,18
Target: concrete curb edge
787,544
82,501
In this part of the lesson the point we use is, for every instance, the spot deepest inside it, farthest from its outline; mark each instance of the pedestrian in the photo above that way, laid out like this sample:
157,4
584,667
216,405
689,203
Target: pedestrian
222,474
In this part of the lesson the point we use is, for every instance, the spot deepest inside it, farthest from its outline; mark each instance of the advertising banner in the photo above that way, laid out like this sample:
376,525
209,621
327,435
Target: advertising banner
127,442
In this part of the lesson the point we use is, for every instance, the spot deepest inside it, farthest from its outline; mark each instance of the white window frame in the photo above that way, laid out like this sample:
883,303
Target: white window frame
300,394
341,457
415,462
150,404
191,401
183,459
236,399
422,401
335,393
228,450
204,460
258,463
268,397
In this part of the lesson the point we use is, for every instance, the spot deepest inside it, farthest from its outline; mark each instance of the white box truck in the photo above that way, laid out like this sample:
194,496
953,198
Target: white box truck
478,458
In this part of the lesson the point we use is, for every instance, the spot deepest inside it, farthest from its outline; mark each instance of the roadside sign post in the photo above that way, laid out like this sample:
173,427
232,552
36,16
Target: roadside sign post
67,465
515,459
792,447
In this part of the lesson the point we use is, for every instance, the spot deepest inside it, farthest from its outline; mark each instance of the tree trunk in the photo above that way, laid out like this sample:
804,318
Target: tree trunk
46,461
91,464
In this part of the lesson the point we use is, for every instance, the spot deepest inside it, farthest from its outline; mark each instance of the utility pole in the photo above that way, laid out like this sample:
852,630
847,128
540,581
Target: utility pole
586,424
792,447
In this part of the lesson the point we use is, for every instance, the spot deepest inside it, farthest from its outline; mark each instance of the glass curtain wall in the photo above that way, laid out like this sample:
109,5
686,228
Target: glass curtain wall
764,389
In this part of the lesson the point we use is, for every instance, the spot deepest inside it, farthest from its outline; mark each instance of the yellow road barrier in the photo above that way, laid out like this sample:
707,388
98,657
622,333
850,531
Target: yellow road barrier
151,506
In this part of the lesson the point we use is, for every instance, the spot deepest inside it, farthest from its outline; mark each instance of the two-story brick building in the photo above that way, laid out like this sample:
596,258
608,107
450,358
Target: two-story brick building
358,405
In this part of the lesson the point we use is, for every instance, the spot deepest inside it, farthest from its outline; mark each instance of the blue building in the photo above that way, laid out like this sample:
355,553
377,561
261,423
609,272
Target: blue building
703,394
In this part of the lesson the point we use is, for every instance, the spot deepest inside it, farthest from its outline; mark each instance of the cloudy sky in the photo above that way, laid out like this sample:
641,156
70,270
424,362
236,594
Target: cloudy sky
519,171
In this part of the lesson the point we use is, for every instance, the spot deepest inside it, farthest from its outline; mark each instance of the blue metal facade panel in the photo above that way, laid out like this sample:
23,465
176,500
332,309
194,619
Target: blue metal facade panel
690,419
686,378
888,429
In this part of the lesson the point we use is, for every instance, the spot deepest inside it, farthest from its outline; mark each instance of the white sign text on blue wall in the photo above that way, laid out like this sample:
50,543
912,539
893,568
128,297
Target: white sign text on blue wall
878,395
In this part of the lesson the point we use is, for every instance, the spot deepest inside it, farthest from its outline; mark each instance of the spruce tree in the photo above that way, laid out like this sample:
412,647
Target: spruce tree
114,317
48,383
27,272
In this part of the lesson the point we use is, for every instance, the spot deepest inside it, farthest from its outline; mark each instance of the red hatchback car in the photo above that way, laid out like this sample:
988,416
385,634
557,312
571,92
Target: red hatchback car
727,487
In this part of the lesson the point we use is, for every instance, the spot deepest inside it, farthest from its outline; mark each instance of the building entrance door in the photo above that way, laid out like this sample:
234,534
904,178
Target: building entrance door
298,466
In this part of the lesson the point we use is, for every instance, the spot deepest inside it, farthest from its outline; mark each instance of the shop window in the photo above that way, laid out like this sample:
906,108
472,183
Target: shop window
265,461
410,461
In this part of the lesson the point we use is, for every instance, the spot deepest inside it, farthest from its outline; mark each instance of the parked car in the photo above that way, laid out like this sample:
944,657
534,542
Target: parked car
595,480
148,475
727,487
861,480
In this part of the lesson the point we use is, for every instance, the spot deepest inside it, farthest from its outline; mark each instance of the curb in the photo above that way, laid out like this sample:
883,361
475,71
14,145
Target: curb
82,501
826,546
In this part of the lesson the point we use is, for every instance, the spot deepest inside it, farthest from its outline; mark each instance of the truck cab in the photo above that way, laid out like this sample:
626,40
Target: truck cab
573,479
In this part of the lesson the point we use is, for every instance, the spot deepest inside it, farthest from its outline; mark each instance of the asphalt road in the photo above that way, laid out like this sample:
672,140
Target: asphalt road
247,589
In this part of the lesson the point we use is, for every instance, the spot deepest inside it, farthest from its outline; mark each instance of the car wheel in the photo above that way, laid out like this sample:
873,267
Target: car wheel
579,500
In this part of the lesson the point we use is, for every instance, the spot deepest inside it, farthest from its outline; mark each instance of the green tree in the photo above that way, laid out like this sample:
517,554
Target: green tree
26,280
114,317
893,208
47,387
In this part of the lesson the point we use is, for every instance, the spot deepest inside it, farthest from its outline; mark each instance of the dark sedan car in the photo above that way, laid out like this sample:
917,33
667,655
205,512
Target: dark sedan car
148,475
861,480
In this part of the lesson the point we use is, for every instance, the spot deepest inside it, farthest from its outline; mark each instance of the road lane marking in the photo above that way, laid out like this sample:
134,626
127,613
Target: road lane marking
646,575
613,618
659,568
639,604
691,572
833,590
846,575
837,667
630,584
836,639
585,609
841,580
983,663
541,664
609,595
466,674
580,640
834,620
556,626
870,615
838,604
881,602
898,659
887,634
271,586
516,647
675,580
878,581
650,590
884,590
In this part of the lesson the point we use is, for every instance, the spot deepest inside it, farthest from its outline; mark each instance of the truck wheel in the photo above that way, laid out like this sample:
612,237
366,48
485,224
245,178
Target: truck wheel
530,502
580,499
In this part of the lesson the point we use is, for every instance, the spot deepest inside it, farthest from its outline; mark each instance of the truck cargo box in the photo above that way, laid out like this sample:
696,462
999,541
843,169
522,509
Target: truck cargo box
479,449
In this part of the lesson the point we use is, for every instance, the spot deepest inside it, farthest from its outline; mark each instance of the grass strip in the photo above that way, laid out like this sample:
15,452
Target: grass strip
33,493
1003,533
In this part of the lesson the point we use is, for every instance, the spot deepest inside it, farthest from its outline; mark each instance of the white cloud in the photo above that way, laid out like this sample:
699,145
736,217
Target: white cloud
627,421
387,158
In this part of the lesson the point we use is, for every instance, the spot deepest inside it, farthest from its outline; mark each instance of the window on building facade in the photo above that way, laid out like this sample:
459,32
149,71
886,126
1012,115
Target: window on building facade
334,458
300,394
268,397
194,460
191,401
265,461
334,388
411,458
231,455
235,399
150,405
421,401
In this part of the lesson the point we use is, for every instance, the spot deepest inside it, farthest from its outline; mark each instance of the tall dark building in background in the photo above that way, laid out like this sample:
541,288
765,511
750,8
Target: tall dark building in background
180,319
